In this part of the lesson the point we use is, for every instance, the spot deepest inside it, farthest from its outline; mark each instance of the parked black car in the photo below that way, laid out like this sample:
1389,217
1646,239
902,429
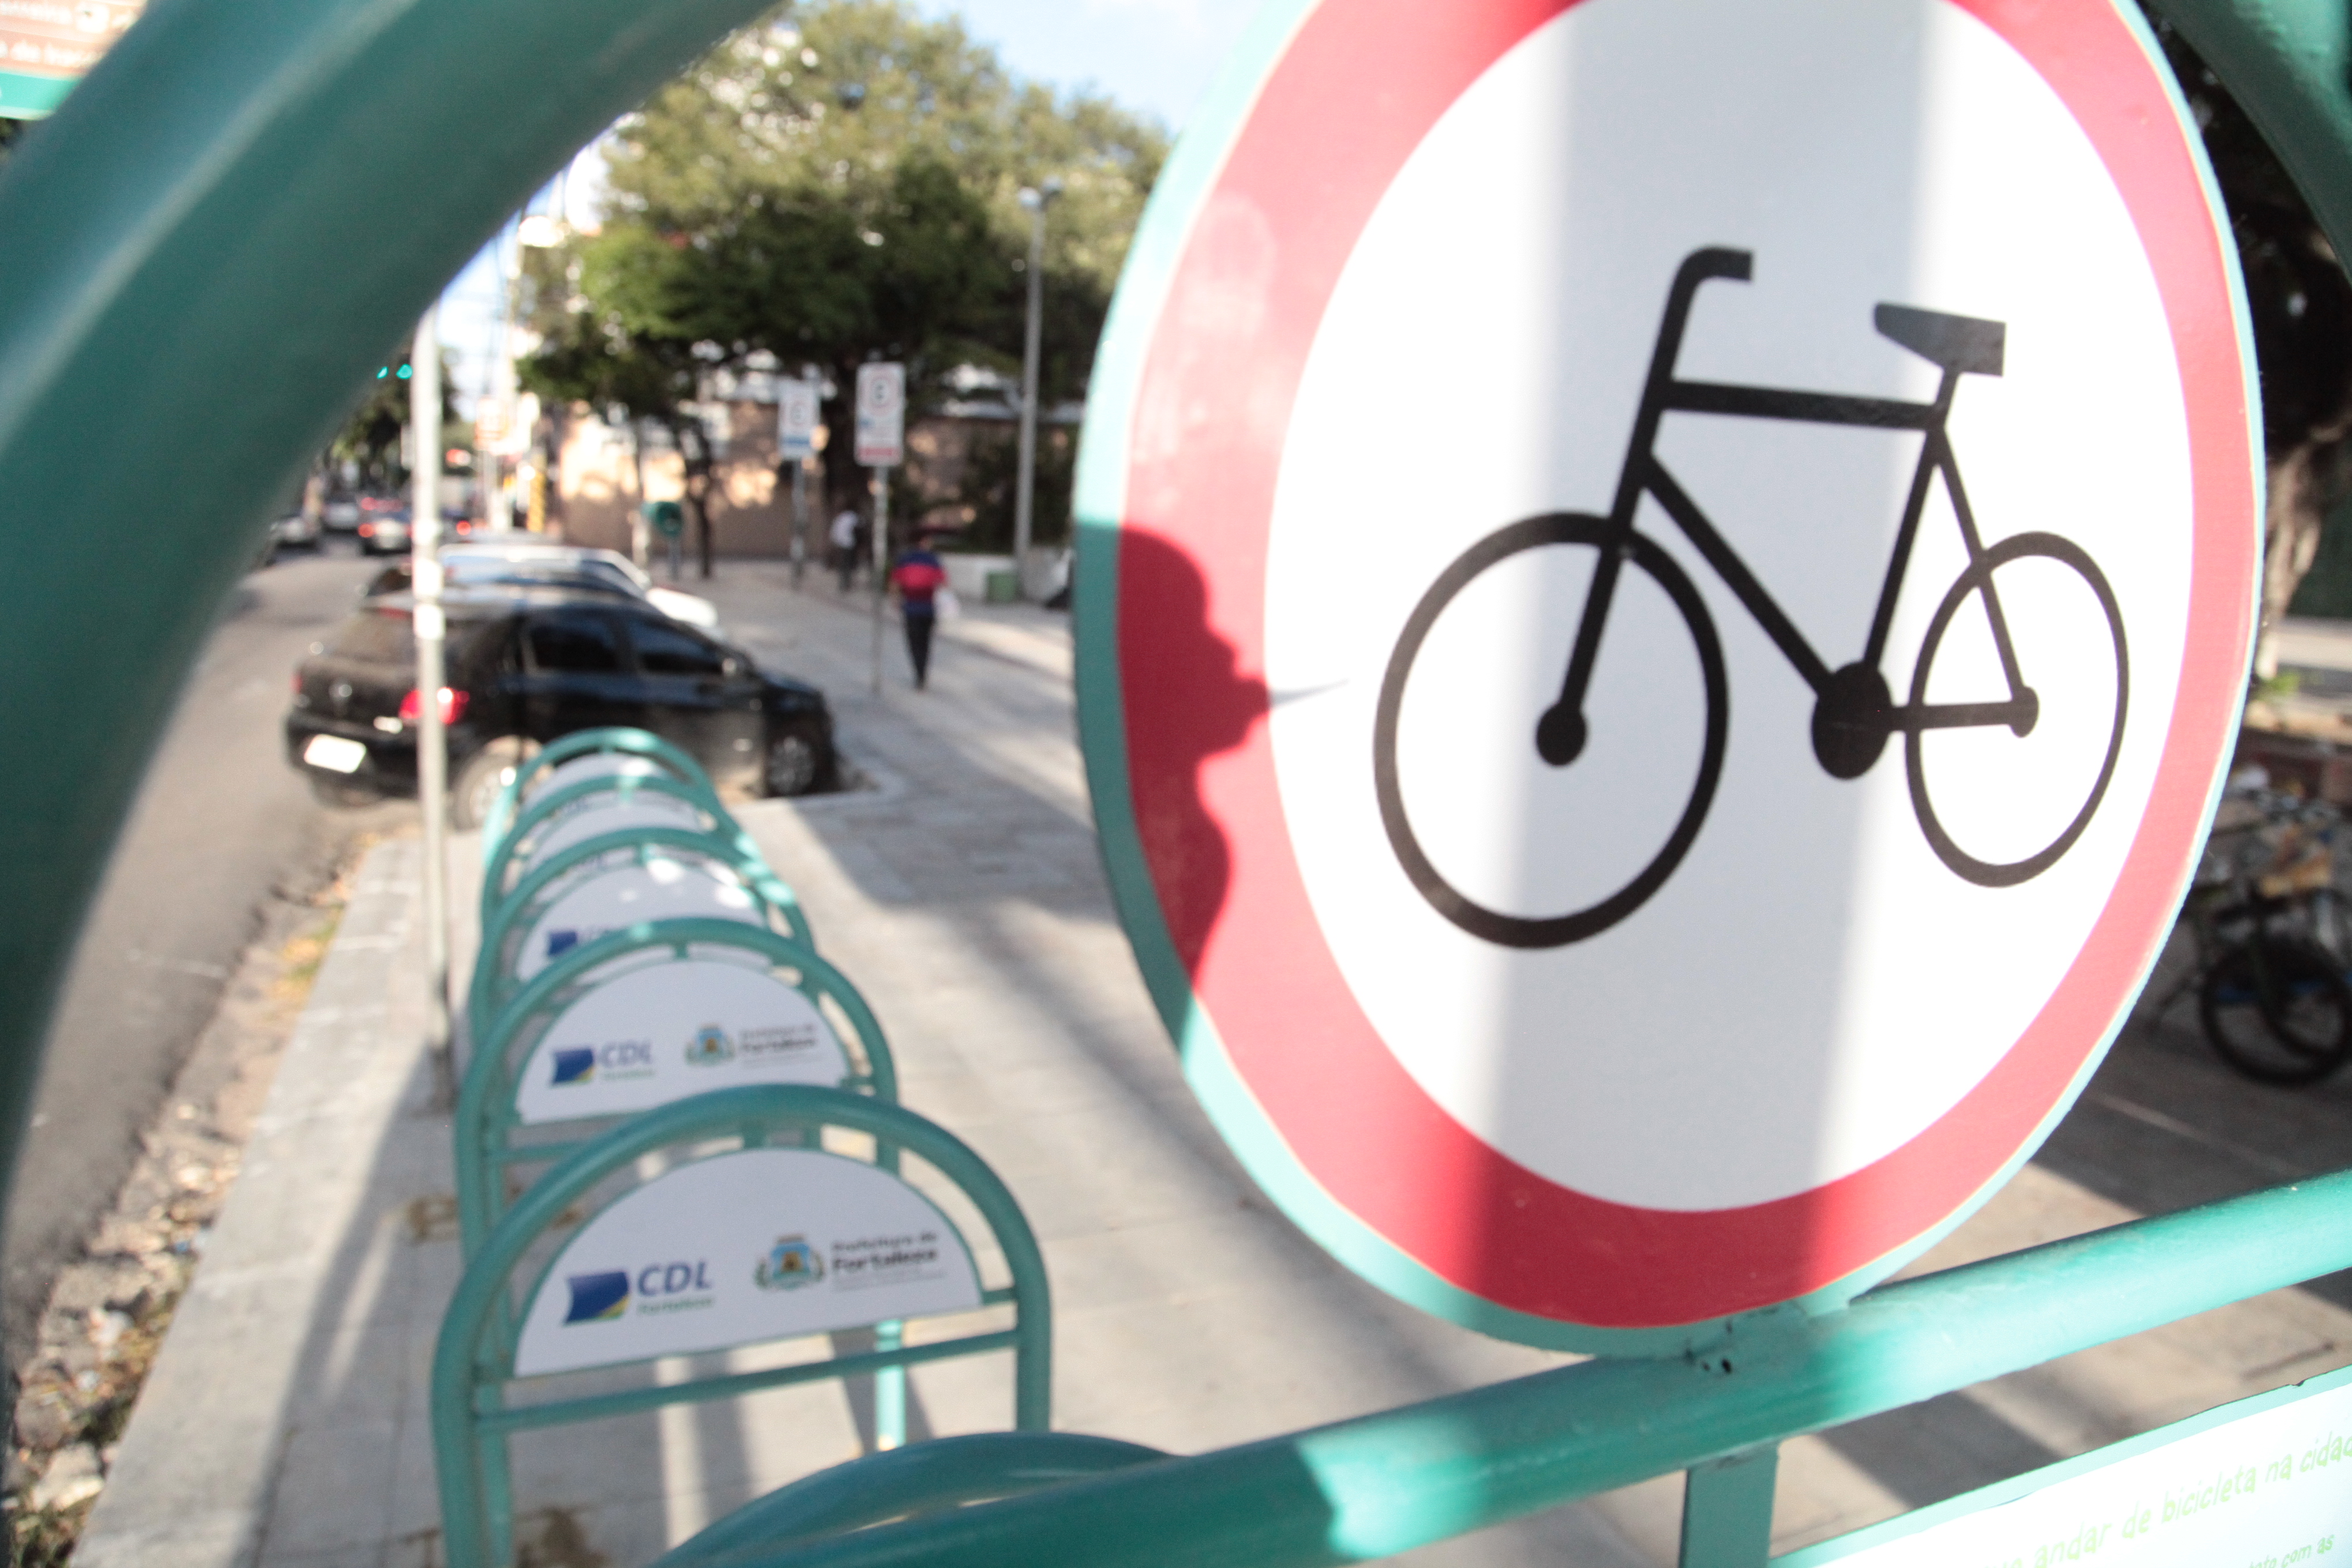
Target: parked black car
526,665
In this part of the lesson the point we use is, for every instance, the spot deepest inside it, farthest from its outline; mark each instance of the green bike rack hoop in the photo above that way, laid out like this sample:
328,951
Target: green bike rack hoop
947,1472
485,1115
474,1355
619,740
553,804
492,982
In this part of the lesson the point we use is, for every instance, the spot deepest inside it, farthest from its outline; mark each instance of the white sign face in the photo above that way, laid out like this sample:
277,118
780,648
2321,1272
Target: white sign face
740,1249
2270,1490
1682,858
597,814
881,414
609,897
1827,920
796,419
667,1030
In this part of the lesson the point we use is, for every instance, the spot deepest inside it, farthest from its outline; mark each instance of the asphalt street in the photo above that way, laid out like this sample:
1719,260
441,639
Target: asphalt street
220,822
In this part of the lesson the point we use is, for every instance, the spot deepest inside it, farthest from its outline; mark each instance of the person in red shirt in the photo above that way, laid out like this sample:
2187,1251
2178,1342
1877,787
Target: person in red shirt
919,577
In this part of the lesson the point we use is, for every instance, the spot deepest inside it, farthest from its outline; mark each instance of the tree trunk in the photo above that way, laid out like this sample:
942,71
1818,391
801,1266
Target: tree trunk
2303,485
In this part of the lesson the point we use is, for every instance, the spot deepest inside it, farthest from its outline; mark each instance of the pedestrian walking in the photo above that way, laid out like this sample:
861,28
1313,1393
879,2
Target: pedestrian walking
845,546
919,579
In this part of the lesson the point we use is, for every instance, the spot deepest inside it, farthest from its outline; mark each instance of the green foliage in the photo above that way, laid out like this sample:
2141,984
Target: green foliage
836,183
990,476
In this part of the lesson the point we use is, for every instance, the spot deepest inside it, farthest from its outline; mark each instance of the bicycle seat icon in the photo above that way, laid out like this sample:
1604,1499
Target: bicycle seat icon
1854,713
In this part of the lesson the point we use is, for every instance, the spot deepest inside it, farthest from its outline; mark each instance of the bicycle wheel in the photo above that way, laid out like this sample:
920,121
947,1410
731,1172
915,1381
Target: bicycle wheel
1639,871
2024,777
2278,1011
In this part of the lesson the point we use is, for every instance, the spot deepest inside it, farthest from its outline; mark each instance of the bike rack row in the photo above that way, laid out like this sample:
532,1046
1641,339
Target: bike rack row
678,1135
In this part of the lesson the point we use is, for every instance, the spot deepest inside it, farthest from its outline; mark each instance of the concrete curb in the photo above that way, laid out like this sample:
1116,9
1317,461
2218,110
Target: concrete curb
193,1483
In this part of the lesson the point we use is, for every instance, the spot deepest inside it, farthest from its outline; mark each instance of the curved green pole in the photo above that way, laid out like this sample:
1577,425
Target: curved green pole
475,1350
206,252
581,744
1377,1485
2289,65
945,1472
491,983
501,859
486,1095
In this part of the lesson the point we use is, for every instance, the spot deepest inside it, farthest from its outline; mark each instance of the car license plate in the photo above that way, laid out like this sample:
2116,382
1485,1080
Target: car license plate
334,754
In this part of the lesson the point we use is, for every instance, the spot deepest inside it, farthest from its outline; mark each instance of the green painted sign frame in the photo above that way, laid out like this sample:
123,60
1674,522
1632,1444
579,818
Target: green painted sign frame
473,1360
488,1148
493,982
613,740
548,805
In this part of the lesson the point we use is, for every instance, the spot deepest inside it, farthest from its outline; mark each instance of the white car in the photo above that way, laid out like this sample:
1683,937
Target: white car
490,560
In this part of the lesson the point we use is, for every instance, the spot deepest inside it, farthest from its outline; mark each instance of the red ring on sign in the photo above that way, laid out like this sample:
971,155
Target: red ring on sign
1360,87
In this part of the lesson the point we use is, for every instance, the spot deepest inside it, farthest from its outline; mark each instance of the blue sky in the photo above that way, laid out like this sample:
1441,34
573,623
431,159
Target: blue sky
1154,56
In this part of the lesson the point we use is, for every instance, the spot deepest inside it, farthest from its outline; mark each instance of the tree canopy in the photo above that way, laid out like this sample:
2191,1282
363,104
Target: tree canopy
836,183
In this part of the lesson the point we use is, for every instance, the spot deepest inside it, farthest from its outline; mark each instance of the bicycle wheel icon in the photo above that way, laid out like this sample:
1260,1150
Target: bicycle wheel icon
2000,803
1630,864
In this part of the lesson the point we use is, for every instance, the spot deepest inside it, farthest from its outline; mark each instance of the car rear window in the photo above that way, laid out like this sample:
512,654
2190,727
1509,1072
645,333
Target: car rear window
375,636
667,650
575,642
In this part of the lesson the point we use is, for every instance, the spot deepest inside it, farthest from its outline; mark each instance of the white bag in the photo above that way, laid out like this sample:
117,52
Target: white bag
945,605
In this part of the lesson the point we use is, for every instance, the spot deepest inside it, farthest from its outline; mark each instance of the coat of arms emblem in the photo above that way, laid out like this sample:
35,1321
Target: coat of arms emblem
790,1264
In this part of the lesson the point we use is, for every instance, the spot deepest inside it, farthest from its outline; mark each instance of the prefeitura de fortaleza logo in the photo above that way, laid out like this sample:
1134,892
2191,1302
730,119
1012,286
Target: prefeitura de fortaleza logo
790,1264
709,1047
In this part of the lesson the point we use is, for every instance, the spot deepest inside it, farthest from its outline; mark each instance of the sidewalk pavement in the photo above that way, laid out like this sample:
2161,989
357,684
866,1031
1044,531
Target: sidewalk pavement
285,1424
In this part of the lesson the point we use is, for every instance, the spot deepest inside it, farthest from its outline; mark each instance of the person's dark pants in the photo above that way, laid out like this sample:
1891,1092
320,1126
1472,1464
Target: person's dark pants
920,619
845,559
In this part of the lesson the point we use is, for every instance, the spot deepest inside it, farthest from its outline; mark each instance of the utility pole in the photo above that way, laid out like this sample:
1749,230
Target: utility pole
432,678
1024,492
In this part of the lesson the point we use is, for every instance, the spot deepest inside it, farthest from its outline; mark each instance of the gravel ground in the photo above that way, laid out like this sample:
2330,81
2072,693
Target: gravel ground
109,1313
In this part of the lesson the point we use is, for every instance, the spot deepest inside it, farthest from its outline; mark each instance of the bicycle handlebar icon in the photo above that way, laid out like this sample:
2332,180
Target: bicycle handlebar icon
1854,713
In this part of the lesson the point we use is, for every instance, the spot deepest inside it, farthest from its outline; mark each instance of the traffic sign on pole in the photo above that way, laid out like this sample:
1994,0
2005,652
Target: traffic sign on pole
881,414
1682,858
796,417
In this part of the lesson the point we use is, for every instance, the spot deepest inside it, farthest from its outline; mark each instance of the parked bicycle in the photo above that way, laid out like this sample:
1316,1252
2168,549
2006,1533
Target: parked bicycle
1854,713
2271,937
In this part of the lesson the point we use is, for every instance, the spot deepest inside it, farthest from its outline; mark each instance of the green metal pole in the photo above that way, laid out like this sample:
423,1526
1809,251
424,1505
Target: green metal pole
1728,1511
1382,1484
203,226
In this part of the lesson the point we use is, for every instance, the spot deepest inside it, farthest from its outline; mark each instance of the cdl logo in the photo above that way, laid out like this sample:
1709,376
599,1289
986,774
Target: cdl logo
673,1278
615,1058
602,1297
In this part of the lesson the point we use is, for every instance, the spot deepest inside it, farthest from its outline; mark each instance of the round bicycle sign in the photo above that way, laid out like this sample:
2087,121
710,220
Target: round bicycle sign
1670,838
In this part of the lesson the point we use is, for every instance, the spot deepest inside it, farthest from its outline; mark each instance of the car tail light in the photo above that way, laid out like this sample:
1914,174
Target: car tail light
367,531
453,706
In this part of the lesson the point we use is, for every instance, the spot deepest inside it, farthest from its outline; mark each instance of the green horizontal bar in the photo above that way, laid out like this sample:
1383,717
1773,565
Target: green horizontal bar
543,1153
597,1406
1384,1483
24,96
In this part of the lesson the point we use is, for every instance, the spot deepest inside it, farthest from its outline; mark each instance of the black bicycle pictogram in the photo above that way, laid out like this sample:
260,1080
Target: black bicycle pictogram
1854,711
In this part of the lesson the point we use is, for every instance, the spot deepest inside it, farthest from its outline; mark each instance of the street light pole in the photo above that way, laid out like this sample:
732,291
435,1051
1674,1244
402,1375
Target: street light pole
431,665
1024,492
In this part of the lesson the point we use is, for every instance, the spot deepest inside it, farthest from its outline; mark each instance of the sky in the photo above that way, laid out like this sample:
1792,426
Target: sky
1157,56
